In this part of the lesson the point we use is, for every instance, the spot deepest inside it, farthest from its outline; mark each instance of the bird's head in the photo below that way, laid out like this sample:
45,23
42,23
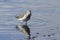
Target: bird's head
28,11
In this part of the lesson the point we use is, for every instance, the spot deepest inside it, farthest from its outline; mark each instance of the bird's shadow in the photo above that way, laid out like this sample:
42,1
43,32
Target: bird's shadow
27,29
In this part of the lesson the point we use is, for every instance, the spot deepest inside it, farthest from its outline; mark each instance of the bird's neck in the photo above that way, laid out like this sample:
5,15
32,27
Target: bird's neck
28,12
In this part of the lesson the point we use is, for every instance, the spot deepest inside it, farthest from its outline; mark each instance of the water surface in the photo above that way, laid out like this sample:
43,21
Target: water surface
45,19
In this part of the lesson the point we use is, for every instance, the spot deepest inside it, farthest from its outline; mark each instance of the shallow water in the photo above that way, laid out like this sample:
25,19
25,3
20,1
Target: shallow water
45,19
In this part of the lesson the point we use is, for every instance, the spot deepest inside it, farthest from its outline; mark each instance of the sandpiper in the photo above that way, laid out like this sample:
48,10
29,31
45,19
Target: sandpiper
25,29
24,17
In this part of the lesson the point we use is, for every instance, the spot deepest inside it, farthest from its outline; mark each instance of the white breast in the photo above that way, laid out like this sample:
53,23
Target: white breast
24,17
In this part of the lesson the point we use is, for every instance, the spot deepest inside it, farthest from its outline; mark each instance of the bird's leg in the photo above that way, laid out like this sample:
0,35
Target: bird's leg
25,22
21,22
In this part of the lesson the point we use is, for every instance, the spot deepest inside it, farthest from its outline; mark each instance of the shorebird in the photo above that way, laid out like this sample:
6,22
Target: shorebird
25,29
24,17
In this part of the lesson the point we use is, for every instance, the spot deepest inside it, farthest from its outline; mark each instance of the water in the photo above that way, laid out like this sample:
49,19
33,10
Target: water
45,19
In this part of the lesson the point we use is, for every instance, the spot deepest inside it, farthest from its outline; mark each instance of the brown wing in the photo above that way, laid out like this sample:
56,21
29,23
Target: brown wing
20,16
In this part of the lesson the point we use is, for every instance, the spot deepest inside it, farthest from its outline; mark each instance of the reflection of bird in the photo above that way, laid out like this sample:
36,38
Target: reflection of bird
25,29
25,17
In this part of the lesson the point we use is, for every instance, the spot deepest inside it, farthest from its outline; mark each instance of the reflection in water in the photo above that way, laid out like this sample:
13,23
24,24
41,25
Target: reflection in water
25,29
